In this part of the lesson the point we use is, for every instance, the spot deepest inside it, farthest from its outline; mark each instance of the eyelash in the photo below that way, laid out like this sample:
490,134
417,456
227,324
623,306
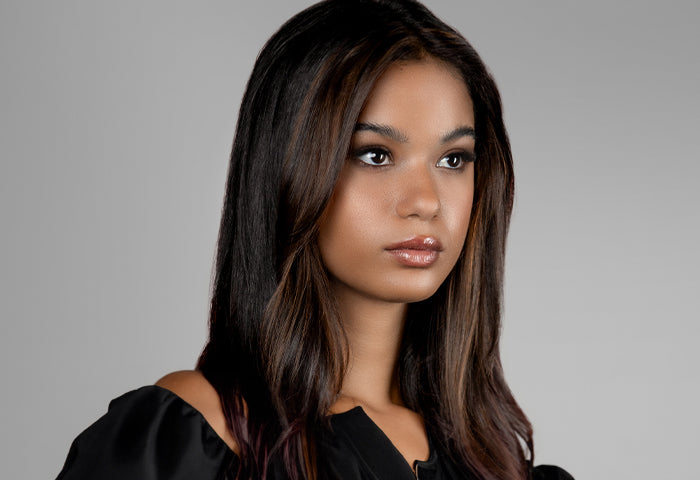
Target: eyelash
464,158
374,151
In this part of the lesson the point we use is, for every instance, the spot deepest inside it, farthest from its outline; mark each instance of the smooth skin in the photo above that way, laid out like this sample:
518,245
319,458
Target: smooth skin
409,174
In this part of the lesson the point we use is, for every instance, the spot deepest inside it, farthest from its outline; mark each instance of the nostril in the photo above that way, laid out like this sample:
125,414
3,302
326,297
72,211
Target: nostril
420,199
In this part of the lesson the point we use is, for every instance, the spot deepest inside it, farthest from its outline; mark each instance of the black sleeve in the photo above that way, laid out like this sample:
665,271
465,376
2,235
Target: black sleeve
550,472
148,434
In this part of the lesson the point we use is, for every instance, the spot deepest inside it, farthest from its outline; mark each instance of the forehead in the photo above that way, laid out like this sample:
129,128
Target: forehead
426,94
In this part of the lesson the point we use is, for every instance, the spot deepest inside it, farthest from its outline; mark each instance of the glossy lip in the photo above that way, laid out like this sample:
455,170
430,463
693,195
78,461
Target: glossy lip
416,251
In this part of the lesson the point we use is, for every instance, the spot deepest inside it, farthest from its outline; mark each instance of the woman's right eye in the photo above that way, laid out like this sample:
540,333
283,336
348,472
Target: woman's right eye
374,156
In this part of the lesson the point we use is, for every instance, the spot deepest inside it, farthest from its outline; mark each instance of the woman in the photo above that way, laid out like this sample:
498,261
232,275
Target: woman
356,306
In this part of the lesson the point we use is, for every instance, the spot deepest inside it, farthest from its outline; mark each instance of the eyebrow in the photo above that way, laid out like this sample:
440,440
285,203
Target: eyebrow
459,133
383,130
400,137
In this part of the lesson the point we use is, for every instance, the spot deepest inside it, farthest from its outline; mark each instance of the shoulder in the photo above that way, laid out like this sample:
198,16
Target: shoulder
150,432
550,472
192,387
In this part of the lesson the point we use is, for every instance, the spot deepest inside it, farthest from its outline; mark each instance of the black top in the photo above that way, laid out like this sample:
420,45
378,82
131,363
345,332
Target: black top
152,434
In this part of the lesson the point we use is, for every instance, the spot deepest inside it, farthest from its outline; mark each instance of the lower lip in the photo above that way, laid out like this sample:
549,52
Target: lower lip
415,258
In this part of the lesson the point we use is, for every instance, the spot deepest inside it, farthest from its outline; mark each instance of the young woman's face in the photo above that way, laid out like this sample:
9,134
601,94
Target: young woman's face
398,217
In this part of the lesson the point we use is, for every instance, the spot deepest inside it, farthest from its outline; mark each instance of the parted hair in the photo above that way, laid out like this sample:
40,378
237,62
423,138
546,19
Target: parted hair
277,350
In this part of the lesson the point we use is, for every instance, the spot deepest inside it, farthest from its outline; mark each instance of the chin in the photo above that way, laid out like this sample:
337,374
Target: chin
410,295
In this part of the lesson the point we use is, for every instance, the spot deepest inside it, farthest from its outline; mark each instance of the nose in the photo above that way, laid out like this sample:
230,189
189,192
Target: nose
418,196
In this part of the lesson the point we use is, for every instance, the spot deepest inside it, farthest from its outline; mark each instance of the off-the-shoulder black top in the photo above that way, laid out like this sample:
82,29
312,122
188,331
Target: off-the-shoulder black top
152,434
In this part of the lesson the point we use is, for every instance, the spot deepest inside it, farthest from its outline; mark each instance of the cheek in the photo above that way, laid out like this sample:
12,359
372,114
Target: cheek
459,228
459,210
347,224
465,217
354,211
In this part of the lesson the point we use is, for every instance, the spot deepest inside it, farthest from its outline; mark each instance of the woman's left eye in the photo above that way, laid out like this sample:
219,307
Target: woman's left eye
453,161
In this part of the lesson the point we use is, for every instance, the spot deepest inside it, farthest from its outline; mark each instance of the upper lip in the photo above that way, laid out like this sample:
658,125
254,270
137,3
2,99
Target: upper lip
418,243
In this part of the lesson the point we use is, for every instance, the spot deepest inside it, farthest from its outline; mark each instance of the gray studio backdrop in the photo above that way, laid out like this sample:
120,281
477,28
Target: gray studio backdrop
116,120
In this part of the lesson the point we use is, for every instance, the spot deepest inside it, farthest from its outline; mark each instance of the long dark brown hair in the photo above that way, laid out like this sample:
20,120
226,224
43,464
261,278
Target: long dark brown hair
276,351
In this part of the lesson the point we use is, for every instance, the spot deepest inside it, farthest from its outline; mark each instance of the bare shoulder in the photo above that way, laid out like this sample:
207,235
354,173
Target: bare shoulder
195,389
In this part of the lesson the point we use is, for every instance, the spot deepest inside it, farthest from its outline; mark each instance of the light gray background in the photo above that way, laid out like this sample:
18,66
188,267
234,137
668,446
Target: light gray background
115,125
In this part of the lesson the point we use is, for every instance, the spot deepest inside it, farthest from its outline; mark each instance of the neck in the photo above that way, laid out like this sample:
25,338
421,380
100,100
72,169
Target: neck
374,330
